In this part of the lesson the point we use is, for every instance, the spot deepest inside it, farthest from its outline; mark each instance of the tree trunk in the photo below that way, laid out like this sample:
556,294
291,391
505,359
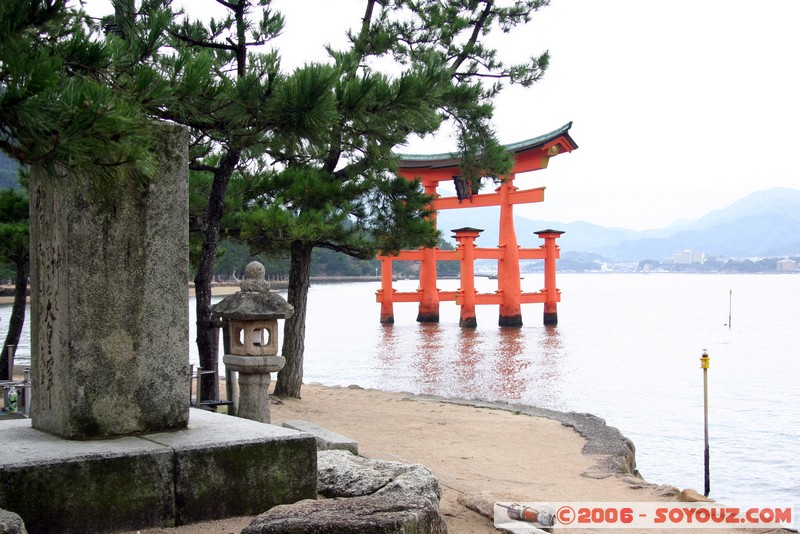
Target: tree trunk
207,336
17,320
290,379
207,344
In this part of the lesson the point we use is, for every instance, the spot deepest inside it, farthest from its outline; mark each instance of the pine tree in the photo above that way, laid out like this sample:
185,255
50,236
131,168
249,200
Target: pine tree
328,129
220,85
57,108
339,190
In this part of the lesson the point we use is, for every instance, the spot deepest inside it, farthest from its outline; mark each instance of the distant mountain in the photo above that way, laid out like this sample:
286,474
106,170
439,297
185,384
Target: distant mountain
779,201
581,236
765,223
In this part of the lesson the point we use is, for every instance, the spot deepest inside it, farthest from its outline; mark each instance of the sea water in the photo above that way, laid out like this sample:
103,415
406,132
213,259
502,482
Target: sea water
627,348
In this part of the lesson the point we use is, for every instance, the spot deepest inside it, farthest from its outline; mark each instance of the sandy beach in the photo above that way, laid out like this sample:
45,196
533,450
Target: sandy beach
479,452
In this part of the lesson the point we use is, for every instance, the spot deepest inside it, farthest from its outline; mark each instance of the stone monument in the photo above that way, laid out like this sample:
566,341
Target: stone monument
109,318
110,359
250,337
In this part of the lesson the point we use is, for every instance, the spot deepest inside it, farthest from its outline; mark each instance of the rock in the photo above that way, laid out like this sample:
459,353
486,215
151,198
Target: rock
635,482
478,503
376,514
690,495
597,472
341,474
483,502
666,490
11,523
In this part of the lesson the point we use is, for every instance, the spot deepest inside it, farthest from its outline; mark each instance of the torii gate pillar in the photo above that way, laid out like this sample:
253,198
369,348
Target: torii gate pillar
386,292
551,293
465,296
508,272
429,293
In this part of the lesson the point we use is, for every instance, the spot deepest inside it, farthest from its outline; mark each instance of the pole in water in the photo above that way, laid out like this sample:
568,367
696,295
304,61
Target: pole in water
704,362
730,302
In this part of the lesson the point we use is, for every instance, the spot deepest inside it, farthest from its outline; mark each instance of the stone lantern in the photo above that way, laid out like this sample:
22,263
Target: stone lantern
250,337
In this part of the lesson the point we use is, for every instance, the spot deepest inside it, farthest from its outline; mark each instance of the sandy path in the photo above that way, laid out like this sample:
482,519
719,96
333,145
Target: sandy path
473,451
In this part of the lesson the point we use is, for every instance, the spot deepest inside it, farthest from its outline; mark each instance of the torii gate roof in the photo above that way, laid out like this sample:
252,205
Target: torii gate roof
541,145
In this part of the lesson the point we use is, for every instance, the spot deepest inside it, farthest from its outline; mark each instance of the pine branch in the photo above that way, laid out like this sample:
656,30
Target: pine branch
366,23
229,5
202,44
476,31
463,75
351,250
203,167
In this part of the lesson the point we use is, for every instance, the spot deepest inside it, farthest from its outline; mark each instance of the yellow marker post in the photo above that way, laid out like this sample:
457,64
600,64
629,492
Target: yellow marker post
704,362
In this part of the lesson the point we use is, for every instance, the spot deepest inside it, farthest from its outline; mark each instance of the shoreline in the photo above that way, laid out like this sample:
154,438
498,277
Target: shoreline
494,464
226,288
615,454
481,452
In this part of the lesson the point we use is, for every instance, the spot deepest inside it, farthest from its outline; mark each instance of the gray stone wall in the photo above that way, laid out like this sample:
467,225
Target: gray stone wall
109,314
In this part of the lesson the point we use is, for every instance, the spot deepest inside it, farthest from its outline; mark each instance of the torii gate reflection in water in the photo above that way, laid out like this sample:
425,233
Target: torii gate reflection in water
530,155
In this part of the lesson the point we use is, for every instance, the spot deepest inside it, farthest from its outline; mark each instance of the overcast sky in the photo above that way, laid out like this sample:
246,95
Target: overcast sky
679,107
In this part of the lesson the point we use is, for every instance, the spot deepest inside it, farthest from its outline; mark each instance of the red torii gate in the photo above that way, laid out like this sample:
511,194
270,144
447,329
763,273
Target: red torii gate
530,155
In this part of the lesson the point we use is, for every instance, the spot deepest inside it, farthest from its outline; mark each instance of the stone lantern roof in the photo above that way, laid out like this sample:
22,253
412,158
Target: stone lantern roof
254,302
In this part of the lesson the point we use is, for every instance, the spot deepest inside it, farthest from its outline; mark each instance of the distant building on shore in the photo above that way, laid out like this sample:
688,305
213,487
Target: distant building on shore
687,257
786,265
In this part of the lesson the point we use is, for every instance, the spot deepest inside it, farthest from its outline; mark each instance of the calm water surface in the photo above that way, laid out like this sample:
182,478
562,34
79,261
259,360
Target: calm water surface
627,348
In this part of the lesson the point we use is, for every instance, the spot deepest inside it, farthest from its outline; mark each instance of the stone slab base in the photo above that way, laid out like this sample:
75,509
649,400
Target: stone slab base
326,439
219,467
